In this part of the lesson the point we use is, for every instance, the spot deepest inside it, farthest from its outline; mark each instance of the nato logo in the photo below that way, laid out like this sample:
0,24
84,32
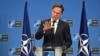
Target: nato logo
26,44
14,51
75,36
14,23
93,22
11,24
70,22
37,23
11,51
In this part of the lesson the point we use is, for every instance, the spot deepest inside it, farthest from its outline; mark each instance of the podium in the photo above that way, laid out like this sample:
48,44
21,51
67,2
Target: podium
48,51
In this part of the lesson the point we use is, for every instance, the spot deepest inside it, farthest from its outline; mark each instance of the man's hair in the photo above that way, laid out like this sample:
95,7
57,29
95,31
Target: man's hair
58,5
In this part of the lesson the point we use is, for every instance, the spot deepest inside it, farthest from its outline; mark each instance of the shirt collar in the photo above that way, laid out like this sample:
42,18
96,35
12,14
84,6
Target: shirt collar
56,20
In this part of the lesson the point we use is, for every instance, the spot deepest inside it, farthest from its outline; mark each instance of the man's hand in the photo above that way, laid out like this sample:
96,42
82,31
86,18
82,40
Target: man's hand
47,25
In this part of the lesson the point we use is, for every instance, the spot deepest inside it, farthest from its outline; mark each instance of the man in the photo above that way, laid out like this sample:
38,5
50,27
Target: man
55,31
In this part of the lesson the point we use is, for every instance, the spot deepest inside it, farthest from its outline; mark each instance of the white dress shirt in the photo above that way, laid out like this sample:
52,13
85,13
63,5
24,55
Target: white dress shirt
55,24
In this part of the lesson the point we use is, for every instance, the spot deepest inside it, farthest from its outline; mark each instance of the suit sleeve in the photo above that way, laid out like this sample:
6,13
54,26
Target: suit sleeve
67,37
39,32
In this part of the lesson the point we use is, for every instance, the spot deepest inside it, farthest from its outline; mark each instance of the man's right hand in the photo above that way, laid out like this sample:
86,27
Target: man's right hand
47,25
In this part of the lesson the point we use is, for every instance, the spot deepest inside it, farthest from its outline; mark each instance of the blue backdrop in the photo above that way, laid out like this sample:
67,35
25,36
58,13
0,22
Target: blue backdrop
12,10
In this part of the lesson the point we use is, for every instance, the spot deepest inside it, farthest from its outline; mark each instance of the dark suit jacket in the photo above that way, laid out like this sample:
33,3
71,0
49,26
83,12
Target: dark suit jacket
62,37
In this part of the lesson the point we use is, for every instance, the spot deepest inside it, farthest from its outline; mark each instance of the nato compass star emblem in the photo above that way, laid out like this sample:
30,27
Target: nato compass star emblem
84,44
26,45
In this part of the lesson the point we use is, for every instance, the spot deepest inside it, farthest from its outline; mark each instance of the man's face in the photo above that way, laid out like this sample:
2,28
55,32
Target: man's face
56,13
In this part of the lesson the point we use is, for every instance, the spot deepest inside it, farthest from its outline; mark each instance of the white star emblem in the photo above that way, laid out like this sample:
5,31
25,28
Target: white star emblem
24,48
84,45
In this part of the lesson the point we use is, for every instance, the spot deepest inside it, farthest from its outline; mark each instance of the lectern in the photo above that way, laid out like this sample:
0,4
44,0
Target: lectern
51,51
48,51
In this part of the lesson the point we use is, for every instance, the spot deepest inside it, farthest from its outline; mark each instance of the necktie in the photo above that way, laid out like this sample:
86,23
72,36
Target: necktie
53,26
